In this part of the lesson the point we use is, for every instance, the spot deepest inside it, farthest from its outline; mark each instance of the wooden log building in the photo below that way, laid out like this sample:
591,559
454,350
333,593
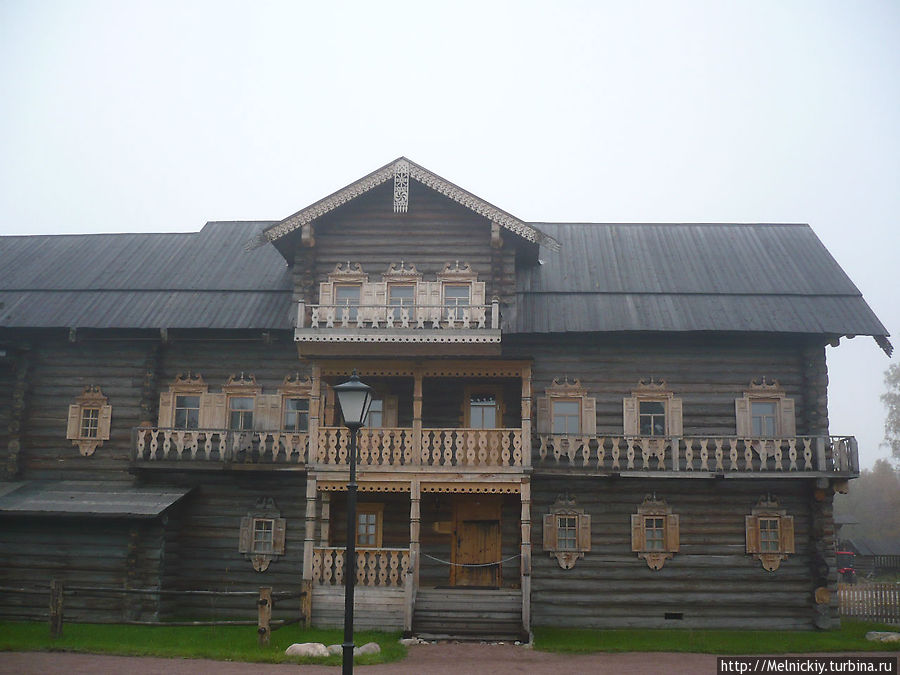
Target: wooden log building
608,425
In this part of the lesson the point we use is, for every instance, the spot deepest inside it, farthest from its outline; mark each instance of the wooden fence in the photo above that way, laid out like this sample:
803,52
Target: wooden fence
870,602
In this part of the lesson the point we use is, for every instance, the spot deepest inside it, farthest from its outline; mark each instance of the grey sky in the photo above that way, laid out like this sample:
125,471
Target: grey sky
159,116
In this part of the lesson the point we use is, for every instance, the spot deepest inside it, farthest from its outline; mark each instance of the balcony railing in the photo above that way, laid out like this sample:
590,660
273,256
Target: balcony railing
430,447
375,567
718,454
219,445
412,323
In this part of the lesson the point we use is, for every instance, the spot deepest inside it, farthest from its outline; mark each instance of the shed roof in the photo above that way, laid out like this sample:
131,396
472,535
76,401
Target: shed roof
85,498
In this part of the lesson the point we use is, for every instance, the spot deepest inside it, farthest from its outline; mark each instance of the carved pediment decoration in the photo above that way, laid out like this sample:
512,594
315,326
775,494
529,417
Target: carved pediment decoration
566,389
455,272
650,387
294,386
91,396
348,273
189,384
765,388
243,385
402,273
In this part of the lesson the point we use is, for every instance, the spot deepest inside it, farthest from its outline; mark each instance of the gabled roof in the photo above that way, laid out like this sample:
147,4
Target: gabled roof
401,170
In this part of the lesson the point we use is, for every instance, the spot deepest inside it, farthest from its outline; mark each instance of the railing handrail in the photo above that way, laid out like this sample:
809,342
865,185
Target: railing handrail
363,548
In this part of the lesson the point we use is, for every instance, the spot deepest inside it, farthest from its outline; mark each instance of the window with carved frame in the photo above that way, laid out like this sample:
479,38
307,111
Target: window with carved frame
186,405
765,411
769,533
566,409
655,535
241,394
89,420
295,406
369,524
652,410
567,532
262,534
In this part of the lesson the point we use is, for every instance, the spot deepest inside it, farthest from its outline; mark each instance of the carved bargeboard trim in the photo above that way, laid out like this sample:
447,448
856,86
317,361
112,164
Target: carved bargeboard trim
401,186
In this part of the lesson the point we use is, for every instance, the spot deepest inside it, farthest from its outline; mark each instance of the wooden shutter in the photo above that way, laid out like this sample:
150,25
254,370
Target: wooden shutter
278,536
477,293
630,416
675,425
267,411
104,423
73,425
326,293
212,411
751,524
589,416
389,411
788,418
543,415
166,410
550,532
584,532
637,532
246,538
673,536
786,534
367,300
742,417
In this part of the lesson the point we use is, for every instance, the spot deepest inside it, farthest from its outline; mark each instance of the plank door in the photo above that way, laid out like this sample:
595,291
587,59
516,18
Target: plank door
476,540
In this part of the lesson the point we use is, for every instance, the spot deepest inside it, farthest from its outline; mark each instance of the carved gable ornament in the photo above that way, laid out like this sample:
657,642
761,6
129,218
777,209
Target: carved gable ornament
262,534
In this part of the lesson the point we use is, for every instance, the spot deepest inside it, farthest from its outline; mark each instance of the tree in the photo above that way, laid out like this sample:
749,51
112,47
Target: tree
874,500
891,400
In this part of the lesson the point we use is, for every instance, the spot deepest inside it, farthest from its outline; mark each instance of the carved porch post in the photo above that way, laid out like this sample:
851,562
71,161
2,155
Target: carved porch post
417,416
309,540
315,398
415,496
526,416
525,494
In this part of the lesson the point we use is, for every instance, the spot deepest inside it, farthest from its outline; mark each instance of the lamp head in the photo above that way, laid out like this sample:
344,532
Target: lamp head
355,397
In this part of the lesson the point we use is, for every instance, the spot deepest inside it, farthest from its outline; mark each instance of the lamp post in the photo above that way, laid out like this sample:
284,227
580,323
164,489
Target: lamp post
354,398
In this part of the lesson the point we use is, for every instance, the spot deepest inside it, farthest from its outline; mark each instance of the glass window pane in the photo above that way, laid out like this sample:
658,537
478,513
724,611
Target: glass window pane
90,421
296,414
483,411
263,535
187,412
375,418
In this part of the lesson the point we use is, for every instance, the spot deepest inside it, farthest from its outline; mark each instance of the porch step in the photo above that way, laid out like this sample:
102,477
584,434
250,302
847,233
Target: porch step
468,614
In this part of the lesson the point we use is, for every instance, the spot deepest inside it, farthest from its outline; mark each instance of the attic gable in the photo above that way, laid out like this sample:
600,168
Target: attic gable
401,171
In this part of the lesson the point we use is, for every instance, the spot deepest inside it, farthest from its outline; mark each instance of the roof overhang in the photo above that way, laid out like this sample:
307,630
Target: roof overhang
401,171
86,499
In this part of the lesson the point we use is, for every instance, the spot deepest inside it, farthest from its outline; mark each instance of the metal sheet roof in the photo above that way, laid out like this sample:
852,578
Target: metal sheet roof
86,498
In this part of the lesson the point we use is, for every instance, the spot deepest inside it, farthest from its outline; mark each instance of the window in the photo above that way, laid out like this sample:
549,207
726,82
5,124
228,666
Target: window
567,532
566,417
770,533
89,420
655,535
262,536
346,297
375,418
483,410
296,414
401,295
369,519
765,412
566,410
456,299
187,412
652,410
240,413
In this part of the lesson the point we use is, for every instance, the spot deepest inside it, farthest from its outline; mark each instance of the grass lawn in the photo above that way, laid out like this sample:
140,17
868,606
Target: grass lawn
222,643
851,637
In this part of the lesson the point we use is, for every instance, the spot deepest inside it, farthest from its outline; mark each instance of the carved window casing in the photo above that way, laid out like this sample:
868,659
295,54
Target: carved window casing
765,412
567,532
262,535
369,525
769,533
240,399
89,420
655,535
483,407
652,410
566,408
292,401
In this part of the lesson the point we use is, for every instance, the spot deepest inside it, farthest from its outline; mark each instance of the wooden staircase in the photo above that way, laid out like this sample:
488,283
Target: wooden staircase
468,614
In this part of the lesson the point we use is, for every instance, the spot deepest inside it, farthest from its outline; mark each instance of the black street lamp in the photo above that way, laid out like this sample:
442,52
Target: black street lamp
354,398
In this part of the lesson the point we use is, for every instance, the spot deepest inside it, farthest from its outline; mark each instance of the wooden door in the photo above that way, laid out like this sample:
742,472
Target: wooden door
476,540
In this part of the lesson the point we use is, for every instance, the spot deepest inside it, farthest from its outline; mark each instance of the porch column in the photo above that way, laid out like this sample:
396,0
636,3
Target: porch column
525,494
325,530
415,495
315,398
417,416
309,540
526,416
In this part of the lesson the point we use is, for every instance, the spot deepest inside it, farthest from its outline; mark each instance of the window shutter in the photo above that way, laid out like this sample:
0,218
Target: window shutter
246,534
742,417
543,415
752,527
550,532
166,410
390,411
367,300
788,418
637,532
589,416
478,293
326,293
73,425
584,532
786,533
676,427
673,536
379,291
267,412
630,416
278,537
423,293
104,423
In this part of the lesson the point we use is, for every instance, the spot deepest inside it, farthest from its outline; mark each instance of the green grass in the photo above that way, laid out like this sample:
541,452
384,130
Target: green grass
222,643
851,637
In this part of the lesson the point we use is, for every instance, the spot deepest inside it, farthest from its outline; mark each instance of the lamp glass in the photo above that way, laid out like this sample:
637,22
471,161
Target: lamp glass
355,397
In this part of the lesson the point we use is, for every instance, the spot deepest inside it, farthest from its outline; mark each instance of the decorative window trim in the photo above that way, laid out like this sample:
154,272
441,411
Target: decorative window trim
91,398
564,506
767,508
762,391
184,385
265,509
471,389
651,391
655,508
561,391
241,388
293,387
376,509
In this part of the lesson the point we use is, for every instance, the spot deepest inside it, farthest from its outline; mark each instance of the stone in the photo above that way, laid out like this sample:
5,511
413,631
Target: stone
368,648
882,636
409,642
307,649
335,649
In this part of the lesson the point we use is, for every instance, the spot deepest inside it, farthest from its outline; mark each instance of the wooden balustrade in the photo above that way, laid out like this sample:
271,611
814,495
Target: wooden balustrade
433,447
468,317
375,567
220,445
720,454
